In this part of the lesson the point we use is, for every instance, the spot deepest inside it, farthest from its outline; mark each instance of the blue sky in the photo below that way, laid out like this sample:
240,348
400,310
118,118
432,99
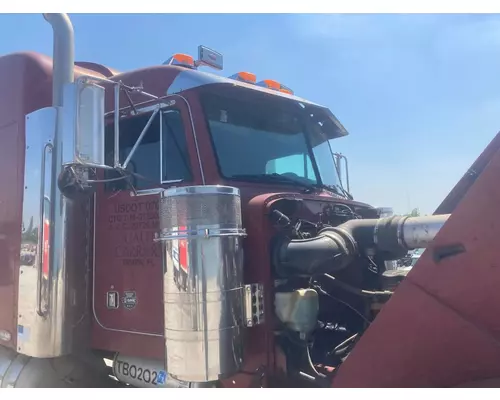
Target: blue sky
419,94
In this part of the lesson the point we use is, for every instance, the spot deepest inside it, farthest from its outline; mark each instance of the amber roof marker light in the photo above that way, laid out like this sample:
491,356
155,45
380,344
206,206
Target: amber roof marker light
275,85
247,77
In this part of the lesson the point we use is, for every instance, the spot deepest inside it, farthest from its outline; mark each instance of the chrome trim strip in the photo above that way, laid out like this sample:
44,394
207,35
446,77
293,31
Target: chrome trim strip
161,144
144,107
170,181
194,137
207,189
201,232
146,192
41,235
161,148
153,191
117,126
87,78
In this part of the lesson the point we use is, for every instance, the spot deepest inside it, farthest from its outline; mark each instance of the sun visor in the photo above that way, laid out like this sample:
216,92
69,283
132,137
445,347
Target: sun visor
322,116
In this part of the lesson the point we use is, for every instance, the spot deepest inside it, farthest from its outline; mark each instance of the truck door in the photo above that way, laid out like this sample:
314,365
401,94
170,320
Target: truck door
128,268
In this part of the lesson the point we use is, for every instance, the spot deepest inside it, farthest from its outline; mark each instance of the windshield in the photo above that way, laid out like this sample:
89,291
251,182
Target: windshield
255,140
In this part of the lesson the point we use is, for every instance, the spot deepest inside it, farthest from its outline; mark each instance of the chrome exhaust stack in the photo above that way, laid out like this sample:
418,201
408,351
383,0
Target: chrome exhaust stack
64,55
202,234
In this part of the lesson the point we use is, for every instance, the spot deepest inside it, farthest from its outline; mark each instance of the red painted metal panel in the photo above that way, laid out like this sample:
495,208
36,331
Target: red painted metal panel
441,328
453,198
127,259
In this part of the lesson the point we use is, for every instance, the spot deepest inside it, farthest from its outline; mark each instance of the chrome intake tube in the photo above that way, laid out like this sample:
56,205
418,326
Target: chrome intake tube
335,247
418,232
201,232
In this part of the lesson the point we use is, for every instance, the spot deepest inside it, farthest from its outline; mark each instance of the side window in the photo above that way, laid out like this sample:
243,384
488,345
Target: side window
154,161
146,160
299,164
175,156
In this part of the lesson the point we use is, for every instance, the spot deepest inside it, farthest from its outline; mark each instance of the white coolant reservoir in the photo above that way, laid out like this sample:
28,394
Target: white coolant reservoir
298,309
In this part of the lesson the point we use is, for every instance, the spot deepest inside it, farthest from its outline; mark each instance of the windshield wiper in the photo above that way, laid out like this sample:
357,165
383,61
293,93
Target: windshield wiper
310,187
335,189
277,178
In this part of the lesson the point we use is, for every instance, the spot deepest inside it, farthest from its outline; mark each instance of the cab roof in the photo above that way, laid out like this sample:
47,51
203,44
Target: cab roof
190,79
171,79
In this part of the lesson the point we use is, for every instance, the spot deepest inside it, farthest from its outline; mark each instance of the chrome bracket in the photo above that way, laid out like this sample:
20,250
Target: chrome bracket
254,304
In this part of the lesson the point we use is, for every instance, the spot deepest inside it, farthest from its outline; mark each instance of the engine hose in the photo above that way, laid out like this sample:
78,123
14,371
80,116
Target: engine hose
334,248
359,292
345,342
309,360
357,312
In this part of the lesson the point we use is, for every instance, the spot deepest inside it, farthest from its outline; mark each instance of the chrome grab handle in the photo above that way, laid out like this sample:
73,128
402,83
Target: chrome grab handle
147,192
41,250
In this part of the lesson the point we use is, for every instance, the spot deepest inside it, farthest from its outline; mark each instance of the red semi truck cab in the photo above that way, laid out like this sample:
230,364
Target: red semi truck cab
99,256
208,130
180,223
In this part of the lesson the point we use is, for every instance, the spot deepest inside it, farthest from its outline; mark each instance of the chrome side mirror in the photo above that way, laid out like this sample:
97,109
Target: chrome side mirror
338,157
83,124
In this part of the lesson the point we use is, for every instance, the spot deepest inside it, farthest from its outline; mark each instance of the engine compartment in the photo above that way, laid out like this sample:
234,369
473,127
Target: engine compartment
329,283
